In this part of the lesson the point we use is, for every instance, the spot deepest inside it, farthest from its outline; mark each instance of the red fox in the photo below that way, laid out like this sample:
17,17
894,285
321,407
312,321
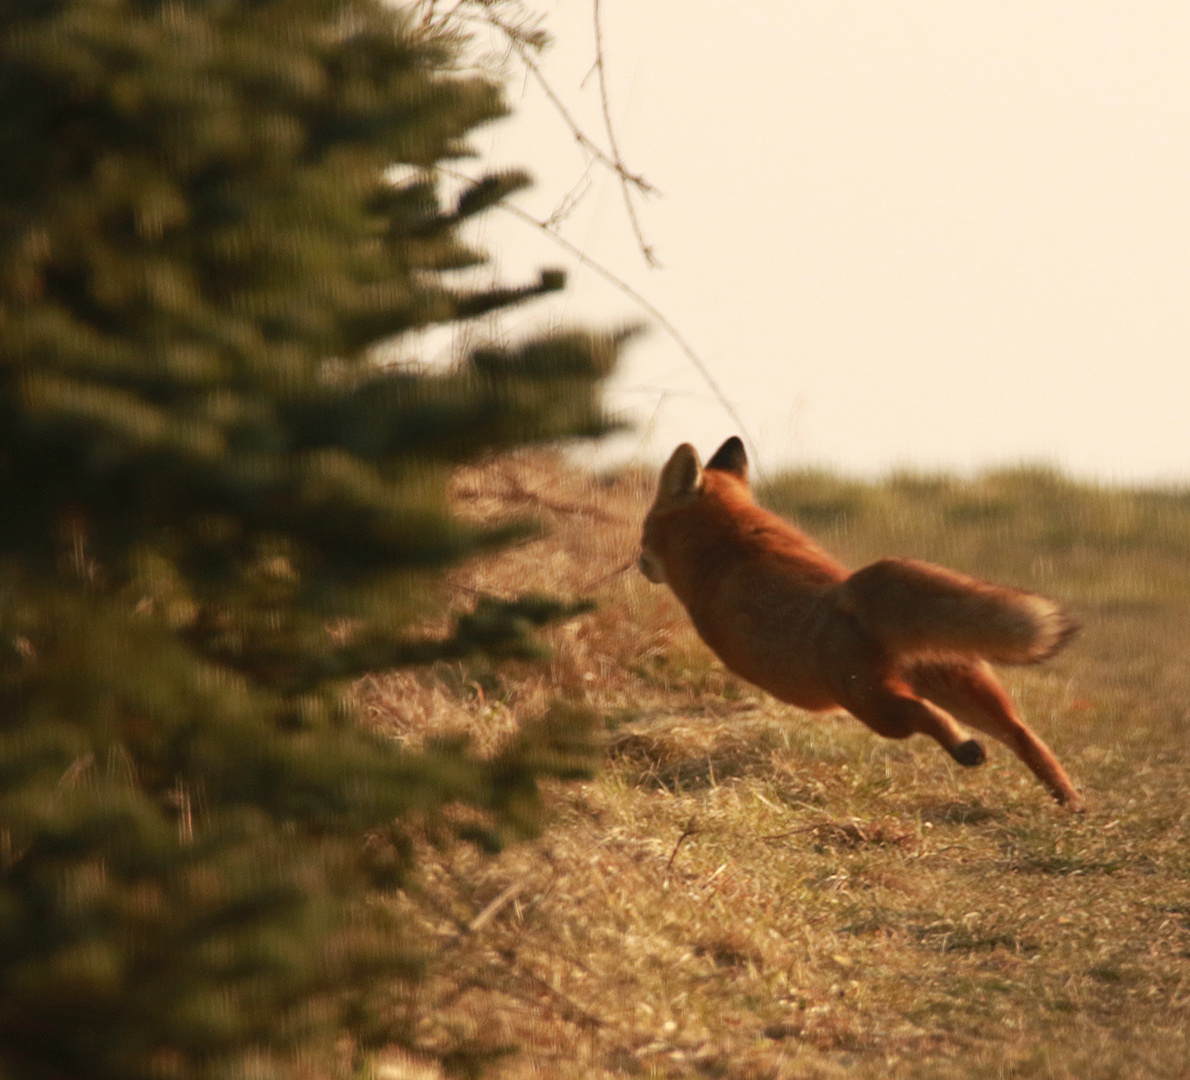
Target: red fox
902,645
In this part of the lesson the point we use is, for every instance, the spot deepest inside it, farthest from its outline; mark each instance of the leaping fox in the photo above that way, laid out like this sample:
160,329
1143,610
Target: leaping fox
902,645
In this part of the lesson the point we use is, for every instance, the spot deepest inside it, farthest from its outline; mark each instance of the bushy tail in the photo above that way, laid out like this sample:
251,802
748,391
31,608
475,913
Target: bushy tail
916,607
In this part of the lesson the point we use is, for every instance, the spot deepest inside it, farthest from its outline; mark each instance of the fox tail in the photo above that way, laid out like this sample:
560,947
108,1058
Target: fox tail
915,607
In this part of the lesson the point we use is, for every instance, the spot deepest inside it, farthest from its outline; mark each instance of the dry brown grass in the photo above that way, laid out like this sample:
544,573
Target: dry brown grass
749,892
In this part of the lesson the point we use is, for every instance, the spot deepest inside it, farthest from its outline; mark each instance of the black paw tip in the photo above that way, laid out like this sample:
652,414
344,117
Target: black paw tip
968,753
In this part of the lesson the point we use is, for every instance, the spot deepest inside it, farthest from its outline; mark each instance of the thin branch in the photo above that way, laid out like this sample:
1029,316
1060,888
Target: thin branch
571,199
611,161
648,307
591,585
524,47
609,127
493,909
690,829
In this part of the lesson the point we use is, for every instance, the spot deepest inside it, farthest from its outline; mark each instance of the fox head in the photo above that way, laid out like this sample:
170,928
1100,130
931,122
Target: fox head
681,484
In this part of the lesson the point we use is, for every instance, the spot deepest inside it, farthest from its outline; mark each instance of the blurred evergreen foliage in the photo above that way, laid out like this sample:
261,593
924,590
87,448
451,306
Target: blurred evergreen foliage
203,472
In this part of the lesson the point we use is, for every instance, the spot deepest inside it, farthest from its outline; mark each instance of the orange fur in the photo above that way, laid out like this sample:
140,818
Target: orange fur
902,645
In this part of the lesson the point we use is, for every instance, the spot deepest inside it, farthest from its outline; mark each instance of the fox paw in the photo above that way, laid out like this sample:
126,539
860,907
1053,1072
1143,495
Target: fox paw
968,753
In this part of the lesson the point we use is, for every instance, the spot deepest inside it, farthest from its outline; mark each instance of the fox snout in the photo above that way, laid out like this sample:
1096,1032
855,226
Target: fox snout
650,566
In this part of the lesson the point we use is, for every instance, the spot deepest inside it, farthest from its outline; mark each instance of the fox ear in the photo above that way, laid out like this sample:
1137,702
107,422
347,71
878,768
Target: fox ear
682,475
732,458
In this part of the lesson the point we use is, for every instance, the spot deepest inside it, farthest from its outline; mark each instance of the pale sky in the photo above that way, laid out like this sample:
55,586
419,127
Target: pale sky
943,234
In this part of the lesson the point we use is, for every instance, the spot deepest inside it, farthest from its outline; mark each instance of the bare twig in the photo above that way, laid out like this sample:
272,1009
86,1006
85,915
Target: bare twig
493,909
520,978
650,309
690,829
518,490
523,50
608,576
525,46
788,833
645,247
571,199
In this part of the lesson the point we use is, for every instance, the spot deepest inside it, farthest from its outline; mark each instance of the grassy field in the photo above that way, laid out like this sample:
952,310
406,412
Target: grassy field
750,891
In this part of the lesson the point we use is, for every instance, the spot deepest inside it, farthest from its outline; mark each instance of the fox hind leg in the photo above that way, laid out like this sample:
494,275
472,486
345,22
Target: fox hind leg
894,711
970,692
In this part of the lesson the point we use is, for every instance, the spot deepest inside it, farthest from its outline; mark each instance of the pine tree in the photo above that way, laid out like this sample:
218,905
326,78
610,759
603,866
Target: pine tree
217,510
